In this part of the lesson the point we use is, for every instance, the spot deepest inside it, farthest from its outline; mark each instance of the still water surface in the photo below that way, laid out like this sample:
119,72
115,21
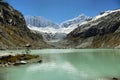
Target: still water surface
68,64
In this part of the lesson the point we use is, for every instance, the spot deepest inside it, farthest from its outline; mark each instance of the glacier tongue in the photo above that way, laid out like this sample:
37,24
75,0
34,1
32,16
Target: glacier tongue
52,31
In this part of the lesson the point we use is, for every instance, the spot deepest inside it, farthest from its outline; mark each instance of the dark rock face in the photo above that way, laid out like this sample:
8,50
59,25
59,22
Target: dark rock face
98,33
13,30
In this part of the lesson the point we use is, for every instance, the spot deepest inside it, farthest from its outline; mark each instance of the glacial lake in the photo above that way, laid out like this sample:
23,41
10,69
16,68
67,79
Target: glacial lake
67,64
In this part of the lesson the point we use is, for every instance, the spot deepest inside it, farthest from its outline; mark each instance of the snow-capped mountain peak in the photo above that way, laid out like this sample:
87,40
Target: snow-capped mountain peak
105,14
50,30
44,25
81,18
39,21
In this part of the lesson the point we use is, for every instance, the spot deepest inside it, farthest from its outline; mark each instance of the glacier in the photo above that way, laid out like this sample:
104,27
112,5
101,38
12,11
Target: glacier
42,24
51,30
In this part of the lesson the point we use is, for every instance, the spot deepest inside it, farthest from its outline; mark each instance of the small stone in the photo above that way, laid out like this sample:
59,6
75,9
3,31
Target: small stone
23,62
40,61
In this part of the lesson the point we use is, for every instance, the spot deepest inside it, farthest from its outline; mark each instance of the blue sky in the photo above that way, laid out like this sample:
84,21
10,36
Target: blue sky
61,10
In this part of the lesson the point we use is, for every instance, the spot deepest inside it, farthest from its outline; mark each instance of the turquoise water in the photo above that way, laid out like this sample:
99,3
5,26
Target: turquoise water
68,64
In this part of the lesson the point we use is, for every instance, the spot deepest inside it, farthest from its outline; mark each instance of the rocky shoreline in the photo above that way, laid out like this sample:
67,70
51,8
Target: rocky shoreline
7,60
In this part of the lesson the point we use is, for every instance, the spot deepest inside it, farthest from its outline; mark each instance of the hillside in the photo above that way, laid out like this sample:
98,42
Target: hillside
103,31
14,32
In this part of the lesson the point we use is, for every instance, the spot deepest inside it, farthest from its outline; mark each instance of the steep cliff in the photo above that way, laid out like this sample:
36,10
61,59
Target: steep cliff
14,32
103,31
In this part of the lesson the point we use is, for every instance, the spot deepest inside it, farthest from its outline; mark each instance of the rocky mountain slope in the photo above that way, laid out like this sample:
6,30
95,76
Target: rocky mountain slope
14,32
103,31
